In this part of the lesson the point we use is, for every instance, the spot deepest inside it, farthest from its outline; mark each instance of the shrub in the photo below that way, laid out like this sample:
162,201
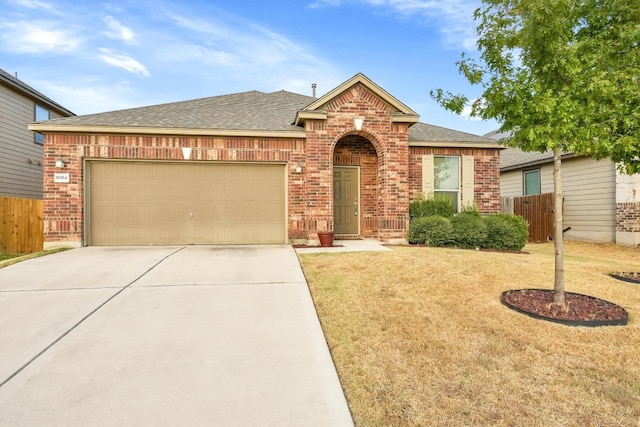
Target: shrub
471,210
430,230
432,205
469,230
506,231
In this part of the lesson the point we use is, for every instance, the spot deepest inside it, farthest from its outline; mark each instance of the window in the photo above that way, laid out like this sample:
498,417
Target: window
449,176
41,114
446,178
531,182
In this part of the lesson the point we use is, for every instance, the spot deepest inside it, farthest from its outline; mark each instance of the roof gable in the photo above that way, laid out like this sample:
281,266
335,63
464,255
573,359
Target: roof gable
29,92
317,109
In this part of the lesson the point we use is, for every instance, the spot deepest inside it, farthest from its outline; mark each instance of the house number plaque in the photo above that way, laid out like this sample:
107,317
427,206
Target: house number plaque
61,177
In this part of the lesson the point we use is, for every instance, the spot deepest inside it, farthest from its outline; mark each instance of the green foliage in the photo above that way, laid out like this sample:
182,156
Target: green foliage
558,73
469,230
506,231
431,205
430,230
471,210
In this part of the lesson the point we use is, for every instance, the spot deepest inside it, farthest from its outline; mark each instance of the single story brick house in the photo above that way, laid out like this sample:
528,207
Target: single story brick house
256,168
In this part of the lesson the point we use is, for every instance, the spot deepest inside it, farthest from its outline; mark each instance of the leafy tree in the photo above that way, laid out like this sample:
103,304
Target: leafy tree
560,75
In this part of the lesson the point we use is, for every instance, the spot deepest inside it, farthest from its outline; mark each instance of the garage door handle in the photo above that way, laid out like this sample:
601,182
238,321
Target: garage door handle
190,215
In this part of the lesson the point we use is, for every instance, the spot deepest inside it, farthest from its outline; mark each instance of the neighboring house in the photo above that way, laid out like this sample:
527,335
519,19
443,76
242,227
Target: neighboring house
21,151
600,204
256,168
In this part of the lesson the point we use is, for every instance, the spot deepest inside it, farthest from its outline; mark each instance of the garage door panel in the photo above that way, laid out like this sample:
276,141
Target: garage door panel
154,203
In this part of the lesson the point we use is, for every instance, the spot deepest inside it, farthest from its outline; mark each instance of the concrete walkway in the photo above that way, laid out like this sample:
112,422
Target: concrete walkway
164,336
364,245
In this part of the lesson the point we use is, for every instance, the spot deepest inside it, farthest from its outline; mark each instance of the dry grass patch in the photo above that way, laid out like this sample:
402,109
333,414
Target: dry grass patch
419,337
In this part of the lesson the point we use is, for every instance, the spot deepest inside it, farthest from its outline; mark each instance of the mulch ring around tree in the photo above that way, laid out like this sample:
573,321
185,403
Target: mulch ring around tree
630,277
582,310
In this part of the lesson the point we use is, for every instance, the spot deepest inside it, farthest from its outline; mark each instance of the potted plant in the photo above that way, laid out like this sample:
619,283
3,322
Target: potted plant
326,238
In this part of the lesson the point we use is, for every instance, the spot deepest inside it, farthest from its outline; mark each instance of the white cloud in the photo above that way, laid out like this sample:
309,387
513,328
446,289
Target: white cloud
36,37
123,61
322,3
466,111
36,4
116,30
89,95
240,50
242,43
454,18
185,52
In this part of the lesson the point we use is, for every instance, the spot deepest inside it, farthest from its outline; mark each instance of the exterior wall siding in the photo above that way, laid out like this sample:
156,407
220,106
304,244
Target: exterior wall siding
589,191
511,184
21,157
486,173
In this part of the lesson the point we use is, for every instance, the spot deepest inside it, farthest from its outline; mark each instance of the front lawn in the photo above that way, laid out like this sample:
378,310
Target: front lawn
8,255
420,338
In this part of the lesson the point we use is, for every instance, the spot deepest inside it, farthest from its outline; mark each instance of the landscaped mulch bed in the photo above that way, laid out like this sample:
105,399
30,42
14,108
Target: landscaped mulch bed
631,277
581,310
302,246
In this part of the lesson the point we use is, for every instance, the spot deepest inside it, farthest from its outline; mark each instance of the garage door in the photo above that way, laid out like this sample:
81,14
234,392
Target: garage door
158,203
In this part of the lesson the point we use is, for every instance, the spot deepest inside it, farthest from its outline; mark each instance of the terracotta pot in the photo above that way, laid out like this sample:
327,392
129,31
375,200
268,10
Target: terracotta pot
326,238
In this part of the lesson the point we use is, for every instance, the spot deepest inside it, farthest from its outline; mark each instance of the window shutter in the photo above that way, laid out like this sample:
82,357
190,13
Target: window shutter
467,181
427,174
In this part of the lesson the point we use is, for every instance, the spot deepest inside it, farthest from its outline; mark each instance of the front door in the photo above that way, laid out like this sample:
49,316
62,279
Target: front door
346,203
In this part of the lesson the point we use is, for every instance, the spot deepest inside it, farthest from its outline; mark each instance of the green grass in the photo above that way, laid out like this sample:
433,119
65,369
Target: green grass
7,255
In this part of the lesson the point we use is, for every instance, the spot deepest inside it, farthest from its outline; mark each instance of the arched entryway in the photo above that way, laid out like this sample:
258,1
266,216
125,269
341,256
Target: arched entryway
355,187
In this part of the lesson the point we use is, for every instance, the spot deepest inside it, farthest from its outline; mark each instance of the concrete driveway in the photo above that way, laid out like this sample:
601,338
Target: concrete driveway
155,336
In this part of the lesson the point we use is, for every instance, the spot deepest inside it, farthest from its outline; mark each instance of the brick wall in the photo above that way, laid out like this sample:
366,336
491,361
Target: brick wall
390,141
63,202
628,217
486,173
391,172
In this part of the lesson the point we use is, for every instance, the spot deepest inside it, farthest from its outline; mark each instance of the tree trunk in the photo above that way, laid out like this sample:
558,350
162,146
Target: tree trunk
558,238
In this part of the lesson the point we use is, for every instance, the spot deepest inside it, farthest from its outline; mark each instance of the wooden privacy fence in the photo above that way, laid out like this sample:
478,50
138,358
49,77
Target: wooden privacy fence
21,225
537,210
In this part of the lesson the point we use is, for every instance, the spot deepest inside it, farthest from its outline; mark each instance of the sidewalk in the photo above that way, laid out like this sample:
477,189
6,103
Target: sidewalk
365,245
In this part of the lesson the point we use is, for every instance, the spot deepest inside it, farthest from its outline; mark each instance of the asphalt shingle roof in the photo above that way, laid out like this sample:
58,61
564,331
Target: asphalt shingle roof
24,88
430,133
515,158
252,110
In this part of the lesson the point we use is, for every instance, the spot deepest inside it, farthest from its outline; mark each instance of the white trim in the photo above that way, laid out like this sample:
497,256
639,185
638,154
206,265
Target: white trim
468,180
135,130
428,185
456,144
